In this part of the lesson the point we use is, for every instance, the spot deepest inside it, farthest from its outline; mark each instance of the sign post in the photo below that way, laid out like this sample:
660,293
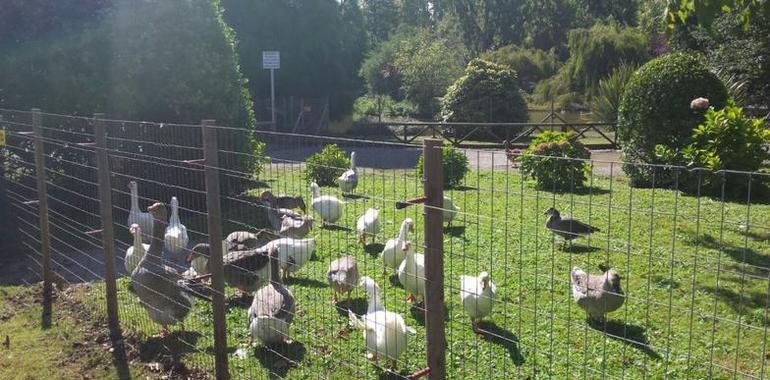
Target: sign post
271,60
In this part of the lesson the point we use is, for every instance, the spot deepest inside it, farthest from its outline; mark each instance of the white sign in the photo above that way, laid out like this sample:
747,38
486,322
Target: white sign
271,60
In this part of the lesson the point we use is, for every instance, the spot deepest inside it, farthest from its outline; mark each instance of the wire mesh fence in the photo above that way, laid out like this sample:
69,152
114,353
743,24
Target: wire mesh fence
597,279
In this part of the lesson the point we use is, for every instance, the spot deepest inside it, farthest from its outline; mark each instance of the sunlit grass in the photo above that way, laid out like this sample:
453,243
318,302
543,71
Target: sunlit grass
696,285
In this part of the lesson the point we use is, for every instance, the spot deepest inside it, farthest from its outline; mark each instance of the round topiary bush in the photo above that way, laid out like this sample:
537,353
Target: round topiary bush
655,109
487,93
557,161
325,166
455,165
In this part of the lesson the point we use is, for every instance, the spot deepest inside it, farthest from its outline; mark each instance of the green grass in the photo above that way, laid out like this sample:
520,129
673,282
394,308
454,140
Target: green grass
696,286
67,350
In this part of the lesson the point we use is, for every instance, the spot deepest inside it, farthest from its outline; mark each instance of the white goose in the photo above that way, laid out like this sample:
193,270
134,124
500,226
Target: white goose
329,207
395,249
477,295
176,233
136,252
368,225
349,179
411,274
136,216
385,332
293,254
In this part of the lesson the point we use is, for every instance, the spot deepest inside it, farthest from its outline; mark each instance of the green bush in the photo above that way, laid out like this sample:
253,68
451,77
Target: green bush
727,140
556,160
382,105
655,109
604,105
325,166
530,65
488,92
455,165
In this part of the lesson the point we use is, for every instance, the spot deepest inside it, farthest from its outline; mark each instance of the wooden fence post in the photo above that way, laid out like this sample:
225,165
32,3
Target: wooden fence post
211,159
42,208
434,258
108,229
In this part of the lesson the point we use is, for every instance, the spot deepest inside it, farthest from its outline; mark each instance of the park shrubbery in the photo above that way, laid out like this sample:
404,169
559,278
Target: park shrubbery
557,161
325,166
454,163
655,109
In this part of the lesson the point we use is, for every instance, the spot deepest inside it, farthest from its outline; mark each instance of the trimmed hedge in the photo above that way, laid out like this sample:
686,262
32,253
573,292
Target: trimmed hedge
557,161
655,109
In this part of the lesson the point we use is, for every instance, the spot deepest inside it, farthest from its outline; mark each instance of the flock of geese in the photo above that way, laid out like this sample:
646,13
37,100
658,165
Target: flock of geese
259,263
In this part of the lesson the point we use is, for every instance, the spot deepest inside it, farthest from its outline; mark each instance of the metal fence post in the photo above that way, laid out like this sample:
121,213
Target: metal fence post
7,230
108,231
434,258
42,207
213,205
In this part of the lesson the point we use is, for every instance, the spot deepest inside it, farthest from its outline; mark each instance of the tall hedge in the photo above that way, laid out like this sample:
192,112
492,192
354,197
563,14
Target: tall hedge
655,109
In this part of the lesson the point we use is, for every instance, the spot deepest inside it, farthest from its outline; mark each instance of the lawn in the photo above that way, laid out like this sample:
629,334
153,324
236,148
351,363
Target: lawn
694,270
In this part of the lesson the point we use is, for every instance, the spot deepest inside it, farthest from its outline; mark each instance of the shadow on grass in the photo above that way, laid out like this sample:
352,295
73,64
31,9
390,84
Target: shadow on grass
760,236
455,231
374,249
504,338
306,282
739,254
354,197
279,358
170,349
461,188
394,281
331,227
745,305
578,248
356,305
632,335
391,375
418,312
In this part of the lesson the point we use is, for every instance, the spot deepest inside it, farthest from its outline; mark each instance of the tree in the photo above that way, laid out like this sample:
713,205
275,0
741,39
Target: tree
381,18
704,12
485,24
546,23
530,65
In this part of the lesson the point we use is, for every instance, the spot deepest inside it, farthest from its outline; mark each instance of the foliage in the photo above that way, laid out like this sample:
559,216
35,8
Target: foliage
325,166
381,18
546,24
706,11
454,164
379,70
322,43
484,24
487,92
556,160
530,65
727,139
739,56
604,106
382,105
594,54
655,109
427,66
621,11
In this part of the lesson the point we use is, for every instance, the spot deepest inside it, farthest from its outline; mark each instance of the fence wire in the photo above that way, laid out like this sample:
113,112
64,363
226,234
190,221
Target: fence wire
693,263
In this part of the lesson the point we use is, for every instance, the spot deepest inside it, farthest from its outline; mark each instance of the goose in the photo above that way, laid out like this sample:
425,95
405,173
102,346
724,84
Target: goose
293,253
395,250
411,274
597,294
477,295
176,233
136,252
161,290
385,332
568,228
245,270
246,240
136,216
272,309
275,213
296,228
329,207
368,225
349,179
448,208
342,276
287,202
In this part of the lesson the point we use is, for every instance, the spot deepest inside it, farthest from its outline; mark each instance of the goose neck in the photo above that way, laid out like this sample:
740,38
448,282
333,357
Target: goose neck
134,199
275,276
375,302
402,233
154,256
353,161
